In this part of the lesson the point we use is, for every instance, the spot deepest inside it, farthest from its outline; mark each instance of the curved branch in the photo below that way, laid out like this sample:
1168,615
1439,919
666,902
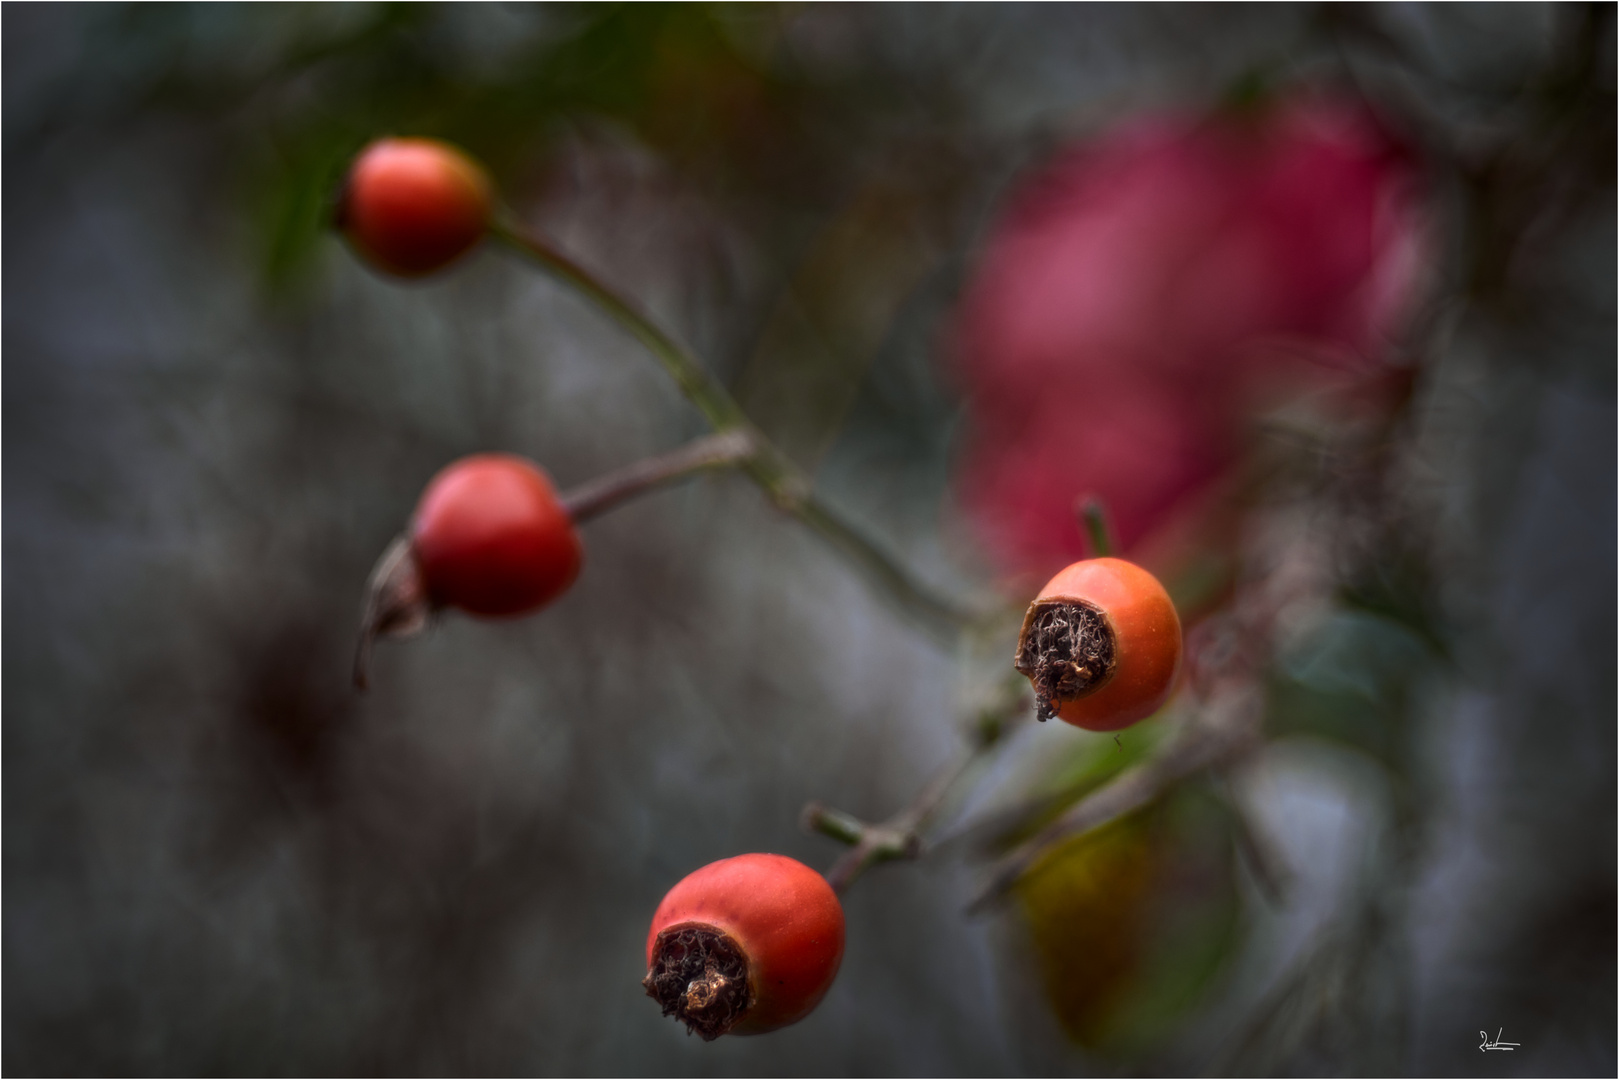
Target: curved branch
783,481
595,497
900,837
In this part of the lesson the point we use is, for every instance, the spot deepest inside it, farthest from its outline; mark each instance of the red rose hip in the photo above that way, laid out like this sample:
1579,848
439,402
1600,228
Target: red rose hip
492,538
489,536
744,946
413,206
1101,645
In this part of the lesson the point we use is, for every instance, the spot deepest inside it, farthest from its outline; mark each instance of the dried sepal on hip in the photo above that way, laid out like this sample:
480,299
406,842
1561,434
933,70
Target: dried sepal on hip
1067,649
396,603
700,974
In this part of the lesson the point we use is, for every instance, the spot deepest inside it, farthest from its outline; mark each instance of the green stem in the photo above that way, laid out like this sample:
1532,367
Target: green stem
784,482
845,828
721,411
1097,527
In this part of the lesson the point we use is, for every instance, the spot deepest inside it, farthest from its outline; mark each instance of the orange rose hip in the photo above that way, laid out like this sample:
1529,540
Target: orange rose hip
744,946
1101,645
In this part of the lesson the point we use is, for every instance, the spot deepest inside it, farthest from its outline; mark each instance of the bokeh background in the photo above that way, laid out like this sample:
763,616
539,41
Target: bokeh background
219,859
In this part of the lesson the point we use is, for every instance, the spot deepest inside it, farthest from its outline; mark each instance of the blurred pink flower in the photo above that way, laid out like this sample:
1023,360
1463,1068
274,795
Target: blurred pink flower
1142,288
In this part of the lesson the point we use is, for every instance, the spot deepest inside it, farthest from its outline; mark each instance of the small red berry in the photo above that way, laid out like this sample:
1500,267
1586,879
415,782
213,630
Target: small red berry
491,537
1101,645
744,945
413,206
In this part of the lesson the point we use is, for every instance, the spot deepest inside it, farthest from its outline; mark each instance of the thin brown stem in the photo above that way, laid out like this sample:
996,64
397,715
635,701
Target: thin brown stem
900,836
595,497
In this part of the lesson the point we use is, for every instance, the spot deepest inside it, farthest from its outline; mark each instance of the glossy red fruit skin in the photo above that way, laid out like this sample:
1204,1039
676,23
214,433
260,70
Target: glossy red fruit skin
413,206
491,537
785,917
1147,642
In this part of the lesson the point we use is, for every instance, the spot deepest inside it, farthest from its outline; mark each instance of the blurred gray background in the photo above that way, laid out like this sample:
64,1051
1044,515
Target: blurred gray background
219,859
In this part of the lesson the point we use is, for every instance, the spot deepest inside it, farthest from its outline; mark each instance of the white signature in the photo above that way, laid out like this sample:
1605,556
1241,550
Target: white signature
1495,1043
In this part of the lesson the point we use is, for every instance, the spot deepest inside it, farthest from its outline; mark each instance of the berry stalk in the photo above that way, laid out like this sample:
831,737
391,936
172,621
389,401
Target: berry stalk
1098,530
787,485
596,497
900,837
